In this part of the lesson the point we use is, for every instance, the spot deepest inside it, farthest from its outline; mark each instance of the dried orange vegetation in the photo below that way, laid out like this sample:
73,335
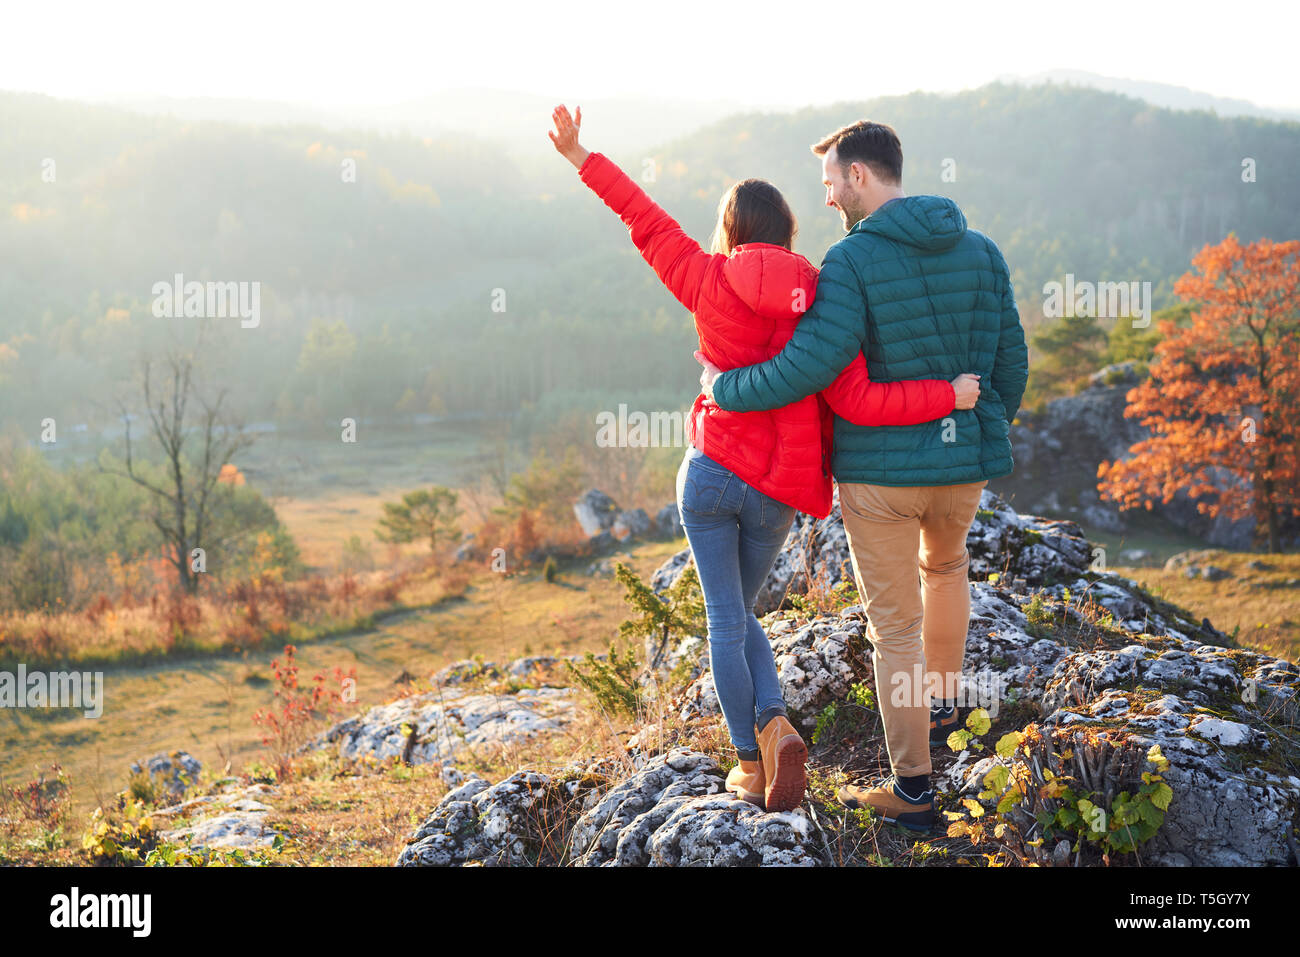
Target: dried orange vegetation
1224,393
231,475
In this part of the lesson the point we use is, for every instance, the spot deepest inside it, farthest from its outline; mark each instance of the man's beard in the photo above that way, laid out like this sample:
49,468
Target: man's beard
851,213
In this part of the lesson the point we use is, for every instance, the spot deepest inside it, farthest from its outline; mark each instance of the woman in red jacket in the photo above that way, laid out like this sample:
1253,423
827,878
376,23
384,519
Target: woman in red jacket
746,473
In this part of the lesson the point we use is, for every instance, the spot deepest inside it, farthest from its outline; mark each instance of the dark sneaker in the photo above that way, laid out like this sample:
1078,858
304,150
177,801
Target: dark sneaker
943,722
892,803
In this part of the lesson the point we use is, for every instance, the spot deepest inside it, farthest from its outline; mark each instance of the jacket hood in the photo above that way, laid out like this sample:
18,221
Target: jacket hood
926,222
766,276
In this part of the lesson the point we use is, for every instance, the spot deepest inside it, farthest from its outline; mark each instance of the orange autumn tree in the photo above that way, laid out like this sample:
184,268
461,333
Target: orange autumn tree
1224,393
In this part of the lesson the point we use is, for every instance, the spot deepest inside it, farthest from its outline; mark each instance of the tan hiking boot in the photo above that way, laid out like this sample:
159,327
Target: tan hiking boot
784,758
746,781
892,804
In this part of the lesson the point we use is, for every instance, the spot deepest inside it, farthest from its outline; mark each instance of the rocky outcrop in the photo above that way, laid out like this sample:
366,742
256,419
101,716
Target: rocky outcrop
444,724
673,813
1055,645
816,663
1210,708
1058,450
492,825
234,818
669,813
605,524
1021,548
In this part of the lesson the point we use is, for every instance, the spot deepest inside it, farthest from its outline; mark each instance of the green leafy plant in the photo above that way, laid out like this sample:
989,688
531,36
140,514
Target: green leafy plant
166,854
113,840
850,713
977,722
1034,793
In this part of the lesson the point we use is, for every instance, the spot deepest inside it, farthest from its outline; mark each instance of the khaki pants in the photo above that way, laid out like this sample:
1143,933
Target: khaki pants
909,557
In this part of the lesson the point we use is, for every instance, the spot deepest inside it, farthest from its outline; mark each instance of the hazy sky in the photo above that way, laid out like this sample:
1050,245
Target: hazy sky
784,53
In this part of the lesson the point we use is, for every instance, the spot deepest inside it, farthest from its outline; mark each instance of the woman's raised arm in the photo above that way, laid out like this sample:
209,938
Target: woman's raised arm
675,257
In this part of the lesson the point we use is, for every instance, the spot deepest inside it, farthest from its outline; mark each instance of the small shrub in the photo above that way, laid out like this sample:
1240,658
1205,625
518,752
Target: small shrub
288,726
112,841
614,683
1039,616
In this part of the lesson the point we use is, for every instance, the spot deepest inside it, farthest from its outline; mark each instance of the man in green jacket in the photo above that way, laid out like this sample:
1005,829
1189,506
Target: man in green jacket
922,297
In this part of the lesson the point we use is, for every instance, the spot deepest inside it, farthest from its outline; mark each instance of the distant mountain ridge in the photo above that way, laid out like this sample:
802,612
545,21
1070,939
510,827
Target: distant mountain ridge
1157,94
516,120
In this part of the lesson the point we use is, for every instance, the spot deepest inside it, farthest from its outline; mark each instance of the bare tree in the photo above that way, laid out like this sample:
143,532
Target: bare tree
183,514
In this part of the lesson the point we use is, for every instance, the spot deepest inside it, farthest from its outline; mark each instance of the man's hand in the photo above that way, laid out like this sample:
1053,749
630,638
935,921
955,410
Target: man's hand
710,373
967,387
565,136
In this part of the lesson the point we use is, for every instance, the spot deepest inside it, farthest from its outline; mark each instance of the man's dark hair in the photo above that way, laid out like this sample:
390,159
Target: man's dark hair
873,144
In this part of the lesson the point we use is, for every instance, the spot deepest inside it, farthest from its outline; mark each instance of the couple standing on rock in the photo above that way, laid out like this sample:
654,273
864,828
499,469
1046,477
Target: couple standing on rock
898,369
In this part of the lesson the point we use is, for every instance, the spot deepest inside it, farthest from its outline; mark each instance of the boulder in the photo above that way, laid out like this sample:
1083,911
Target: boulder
1033,550
236,819
673,812
596,512
478,823
634,523
447,723
173,772
816,663
668,521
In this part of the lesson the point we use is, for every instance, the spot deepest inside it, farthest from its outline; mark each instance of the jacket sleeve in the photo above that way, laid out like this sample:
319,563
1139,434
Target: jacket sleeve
677,259
824,342
855,397
1011,364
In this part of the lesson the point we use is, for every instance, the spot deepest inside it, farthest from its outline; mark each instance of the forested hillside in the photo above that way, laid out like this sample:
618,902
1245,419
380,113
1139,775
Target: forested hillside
379,281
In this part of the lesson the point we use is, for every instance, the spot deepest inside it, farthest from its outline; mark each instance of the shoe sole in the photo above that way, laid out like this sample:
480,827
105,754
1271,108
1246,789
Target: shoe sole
791,777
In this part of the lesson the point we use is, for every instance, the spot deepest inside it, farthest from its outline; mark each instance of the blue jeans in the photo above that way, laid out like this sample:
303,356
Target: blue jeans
735,532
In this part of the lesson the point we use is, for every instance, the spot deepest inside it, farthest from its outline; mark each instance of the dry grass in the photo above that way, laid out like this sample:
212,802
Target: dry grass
245,617
204,705
1261,607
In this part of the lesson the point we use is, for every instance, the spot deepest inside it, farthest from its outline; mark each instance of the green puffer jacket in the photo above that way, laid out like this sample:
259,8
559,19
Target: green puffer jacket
922,297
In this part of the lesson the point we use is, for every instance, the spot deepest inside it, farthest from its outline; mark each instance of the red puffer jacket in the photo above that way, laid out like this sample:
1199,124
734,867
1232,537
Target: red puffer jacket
746,306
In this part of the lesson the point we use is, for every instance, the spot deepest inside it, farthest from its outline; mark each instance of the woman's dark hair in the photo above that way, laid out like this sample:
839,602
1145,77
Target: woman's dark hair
753,211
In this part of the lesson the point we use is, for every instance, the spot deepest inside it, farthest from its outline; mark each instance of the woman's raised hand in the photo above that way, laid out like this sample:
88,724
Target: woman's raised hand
565,136
967,387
